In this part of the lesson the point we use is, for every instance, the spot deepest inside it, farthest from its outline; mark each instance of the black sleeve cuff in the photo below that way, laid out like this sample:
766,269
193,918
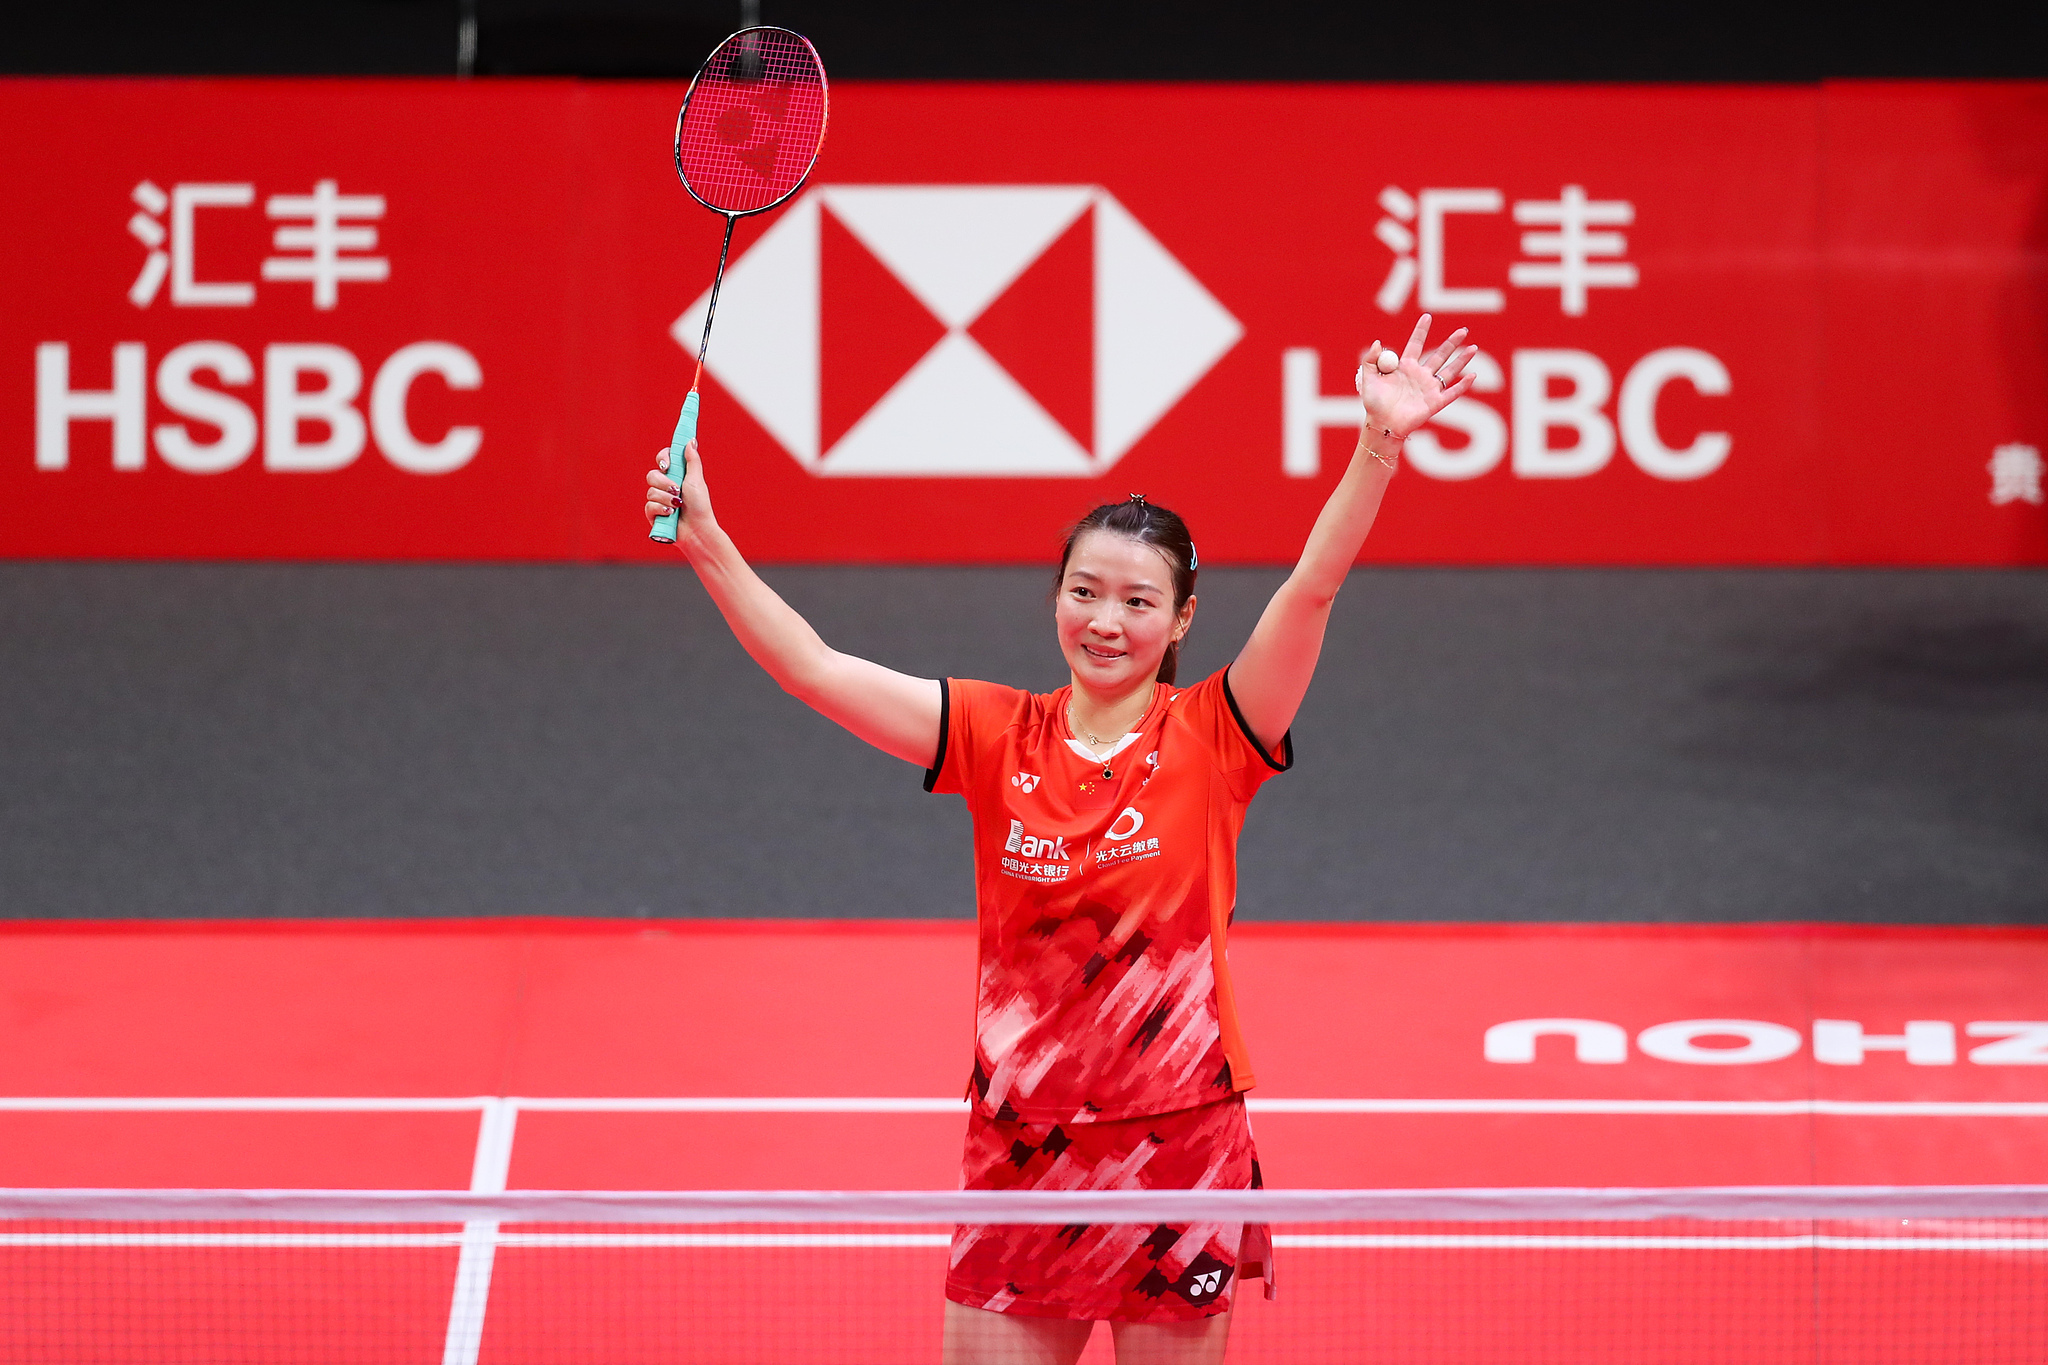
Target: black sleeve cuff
1286,740
931,774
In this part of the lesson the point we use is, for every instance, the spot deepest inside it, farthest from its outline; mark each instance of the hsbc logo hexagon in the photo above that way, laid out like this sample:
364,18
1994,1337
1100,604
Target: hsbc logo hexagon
994,330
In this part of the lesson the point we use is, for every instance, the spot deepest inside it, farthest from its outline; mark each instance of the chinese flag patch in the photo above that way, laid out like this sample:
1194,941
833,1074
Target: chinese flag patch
1095,792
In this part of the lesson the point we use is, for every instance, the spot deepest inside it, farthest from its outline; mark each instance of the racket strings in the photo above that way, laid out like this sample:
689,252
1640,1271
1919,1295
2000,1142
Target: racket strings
753,122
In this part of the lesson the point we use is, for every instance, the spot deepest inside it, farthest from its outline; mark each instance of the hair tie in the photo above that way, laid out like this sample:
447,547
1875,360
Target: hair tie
1138,498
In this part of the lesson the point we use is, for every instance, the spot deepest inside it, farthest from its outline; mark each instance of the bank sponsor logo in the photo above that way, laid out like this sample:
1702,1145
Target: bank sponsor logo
1031,871
1039,859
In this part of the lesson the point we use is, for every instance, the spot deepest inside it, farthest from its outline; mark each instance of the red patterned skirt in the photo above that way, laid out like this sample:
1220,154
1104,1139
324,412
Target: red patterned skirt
1119,1272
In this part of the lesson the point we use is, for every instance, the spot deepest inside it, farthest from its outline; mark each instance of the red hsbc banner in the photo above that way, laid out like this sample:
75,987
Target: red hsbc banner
426,320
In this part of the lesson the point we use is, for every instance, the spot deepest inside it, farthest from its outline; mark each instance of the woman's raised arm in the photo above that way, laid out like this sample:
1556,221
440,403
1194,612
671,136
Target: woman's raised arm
895,712
1272,671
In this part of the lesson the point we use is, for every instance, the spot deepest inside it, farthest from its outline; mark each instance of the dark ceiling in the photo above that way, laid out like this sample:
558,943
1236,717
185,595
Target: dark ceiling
1515,40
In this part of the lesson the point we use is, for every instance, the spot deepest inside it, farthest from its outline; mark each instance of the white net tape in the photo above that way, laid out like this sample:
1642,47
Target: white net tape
1714,1203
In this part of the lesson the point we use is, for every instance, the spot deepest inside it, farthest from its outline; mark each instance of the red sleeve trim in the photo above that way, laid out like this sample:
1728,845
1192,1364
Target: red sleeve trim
1286,740
931,774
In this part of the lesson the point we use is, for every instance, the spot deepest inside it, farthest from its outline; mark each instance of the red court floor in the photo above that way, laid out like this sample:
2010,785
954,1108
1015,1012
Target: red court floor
832,1055
777,1054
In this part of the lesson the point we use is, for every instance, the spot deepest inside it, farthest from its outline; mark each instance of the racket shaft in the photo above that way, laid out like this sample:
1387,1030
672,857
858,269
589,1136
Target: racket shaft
686,431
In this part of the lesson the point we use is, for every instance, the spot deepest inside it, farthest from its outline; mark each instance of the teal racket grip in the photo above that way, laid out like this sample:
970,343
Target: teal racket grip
664,531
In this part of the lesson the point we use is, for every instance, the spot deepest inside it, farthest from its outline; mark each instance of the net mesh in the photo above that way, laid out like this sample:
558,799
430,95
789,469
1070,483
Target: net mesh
753,121
248,1277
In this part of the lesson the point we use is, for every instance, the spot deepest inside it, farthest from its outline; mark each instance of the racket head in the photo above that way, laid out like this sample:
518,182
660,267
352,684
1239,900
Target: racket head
752,122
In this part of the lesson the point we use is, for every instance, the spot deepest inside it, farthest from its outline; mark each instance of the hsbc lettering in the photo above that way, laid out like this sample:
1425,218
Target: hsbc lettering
288,408
1573,261
311,420
1534,413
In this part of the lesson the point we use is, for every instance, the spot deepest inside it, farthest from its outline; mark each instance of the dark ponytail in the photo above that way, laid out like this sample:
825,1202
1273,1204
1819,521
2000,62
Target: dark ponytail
1136,519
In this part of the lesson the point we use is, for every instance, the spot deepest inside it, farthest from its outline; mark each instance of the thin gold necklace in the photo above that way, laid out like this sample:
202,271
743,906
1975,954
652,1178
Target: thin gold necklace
1093,739
1083,731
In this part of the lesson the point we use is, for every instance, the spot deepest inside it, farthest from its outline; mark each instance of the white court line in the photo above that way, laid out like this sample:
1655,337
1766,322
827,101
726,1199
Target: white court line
276,1240
873,1240
728,1239
489,1168
747,1104
240,1104
892,1104
1797,1242
2016,1109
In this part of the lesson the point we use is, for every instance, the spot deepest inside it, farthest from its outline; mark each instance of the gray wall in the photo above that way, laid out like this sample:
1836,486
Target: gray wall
327,740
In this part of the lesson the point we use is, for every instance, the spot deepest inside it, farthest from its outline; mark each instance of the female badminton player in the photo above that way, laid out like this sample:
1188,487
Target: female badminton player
1106,815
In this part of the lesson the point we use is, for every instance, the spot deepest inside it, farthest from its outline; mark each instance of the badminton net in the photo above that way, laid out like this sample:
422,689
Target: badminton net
1770,1276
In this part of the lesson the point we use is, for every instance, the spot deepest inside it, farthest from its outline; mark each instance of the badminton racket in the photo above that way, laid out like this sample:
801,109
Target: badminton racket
748,135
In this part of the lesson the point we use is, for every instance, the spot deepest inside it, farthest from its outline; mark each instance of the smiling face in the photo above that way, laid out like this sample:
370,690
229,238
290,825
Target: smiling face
1115,613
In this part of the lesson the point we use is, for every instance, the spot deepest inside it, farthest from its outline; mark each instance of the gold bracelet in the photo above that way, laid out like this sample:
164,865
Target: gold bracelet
1390,462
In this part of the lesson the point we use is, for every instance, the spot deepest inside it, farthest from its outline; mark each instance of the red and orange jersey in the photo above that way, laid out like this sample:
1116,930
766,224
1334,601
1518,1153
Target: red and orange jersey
1105,889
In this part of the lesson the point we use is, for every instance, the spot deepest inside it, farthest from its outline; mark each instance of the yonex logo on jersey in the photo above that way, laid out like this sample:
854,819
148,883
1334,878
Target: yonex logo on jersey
1027,782
1205,1285
943,330
1119,831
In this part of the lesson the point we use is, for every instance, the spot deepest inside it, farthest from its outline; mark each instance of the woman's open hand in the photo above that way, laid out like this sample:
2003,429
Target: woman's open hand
691,496
1402,398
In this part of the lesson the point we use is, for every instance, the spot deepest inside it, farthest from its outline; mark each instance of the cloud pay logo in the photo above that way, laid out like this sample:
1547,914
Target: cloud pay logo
944,331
